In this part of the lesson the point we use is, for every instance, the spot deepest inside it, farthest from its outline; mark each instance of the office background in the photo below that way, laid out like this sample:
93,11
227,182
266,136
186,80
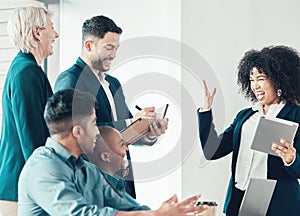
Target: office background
202,40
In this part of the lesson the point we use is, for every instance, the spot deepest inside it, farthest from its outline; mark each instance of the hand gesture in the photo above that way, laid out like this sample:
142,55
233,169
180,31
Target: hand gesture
208,99
171,207
286,151
187,207
158,127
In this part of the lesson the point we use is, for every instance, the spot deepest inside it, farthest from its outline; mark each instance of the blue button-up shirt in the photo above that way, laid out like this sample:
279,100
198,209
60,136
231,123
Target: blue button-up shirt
119,186
54,182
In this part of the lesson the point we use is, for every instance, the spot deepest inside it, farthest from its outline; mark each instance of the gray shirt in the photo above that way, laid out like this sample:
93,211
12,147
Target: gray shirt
54,182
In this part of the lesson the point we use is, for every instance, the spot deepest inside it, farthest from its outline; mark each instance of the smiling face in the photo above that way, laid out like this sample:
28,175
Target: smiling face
89,133
263,89
118,150
103,51
47,37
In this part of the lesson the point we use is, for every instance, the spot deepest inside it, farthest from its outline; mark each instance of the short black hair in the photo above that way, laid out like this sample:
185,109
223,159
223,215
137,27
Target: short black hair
105,131
67,107
281,64
98,26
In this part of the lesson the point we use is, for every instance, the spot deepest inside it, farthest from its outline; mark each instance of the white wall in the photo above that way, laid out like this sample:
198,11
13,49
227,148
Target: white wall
222,31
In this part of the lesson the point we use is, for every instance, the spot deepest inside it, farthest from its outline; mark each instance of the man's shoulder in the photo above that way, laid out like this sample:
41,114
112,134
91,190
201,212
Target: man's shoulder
35,166
68,78
44,166
41,154
75,70
72,72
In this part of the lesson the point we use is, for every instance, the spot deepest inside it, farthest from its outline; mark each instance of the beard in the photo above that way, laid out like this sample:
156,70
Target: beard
98,65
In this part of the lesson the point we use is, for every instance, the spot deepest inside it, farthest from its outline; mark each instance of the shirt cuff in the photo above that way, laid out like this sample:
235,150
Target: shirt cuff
203,110
290,164
149,141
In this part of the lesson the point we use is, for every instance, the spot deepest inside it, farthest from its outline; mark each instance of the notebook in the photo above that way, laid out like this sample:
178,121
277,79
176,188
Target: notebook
272,130
140,127
257,197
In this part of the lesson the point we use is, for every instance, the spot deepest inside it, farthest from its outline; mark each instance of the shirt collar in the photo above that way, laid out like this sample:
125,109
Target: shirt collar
80,62
116,182
63,153
103,79
274,108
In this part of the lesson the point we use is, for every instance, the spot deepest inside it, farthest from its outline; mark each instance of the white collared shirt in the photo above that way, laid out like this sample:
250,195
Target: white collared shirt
109,95
251,163
110,98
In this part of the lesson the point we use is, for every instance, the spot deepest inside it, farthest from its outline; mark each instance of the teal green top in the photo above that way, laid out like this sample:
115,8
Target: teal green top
25,93
54,182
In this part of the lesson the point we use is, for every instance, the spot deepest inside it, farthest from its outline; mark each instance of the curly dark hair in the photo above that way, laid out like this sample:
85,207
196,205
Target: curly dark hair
98,26
281,64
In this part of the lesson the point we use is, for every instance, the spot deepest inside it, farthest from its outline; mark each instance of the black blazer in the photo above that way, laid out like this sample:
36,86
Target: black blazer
286,196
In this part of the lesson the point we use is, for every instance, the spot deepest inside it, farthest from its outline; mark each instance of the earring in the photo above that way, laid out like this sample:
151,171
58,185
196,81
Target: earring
279,92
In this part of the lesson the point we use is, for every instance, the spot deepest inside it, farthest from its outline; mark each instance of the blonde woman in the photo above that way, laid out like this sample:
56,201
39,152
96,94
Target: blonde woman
25,94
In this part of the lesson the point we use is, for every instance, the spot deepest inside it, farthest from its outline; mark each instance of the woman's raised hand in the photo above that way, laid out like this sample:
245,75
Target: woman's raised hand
208,97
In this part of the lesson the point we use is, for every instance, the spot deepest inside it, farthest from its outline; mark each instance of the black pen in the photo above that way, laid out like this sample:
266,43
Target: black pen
138,108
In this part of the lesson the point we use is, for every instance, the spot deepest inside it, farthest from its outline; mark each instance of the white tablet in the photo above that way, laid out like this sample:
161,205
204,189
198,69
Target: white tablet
270,131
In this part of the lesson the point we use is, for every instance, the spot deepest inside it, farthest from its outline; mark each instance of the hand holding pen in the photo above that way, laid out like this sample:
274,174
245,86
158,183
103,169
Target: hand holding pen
148,112
158,127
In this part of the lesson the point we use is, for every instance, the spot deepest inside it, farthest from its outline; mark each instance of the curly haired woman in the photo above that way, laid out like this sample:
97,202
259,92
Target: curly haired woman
270,78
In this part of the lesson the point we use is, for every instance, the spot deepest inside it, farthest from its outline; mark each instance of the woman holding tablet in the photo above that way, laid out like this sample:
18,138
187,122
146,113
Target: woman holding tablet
270,78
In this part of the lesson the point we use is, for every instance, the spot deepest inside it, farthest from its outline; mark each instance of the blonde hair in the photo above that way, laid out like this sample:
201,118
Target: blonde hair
21,23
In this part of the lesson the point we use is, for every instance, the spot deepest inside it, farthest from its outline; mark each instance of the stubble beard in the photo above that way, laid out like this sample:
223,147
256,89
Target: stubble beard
98,65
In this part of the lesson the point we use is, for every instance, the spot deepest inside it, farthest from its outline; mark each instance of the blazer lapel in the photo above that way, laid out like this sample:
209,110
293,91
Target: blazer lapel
90,82
119,99
285,111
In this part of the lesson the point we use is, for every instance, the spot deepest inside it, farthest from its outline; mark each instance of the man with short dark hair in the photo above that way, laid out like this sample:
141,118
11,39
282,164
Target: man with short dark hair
58,180
109,156
100,41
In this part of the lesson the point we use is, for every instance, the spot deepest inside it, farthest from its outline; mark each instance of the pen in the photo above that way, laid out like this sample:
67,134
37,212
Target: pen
138,108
